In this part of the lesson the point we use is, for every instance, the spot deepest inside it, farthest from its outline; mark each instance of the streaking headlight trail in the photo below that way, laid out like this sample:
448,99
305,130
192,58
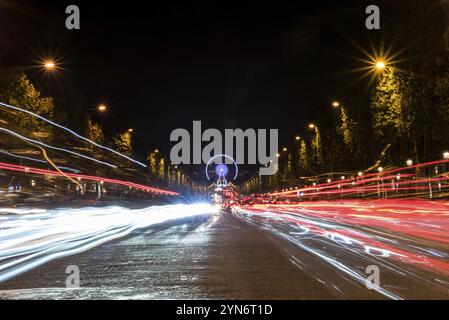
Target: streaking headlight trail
31,238
71,132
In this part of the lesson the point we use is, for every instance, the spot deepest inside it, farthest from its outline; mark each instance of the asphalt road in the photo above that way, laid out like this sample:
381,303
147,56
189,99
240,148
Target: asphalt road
222,257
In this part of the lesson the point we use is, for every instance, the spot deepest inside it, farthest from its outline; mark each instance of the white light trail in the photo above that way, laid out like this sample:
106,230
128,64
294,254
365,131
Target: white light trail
36,160
72,132
32,238
55,148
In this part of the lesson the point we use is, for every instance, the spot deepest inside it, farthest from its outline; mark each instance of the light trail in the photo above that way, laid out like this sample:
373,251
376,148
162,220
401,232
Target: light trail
390,183
72,132
56,148
407,237
32,238
30,170
36,160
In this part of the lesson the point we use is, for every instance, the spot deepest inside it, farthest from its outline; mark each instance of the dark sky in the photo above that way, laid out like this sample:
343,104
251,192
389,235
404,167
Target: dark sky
161,65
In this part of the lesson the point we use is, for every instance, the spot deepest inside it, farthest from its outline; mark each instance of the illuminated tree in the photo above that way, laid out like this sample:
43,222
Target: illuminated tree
316,148
303,156
346,128
94,131
389,105
17,90
161,168
123,143
152,164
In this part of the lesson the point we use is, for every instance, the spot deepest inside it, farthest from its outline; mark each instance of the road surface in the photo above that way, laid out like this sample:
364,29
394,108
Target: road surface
229,256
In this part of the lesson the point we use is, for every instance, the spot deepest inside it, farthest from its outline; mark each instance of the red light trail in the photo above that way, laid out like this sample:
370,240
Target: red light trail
24,169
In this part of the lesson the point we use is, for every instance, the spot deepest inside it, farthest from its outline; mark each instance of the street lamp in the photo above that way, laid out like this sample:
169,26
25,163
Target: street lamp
284,149
278,155
409,162
130,130
311,126
446,155
335,104
360,173
380,65
49,65
102,108
380,169
297,138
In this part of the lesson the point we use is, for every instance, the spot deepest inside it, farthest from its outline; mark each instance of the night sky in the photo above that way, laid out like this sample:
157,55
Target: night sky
161,66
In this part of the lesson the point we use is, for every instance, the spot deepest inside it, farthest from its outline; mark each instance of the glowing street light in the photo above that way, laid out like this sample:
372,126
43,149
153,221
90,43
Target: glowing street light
380,65
335,104
297,138
311,126
130,130
278,155
49,65
409,162
360,173
102,108
284,149
446,155
380,169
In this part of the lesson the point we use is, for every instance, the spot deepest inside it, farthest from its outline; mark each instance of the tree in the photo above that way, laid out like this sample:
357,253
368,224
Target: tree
393,112
441,90
288,170
388,107
408,104
316,151
123,143
161,169
152,161
94,131
346,129
303,163
17,90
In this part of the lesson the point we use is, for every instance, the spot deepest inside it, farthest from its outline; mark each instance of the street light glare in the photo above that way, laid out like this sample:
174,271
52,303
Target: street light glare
297,137
102,108
380,65
49,65
311,126
130,130
335,104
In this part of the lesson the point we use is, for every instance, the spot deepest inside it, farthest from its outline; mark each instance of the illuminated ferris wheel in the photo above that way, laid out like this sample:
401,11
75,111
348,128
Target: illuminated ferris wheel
221,170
